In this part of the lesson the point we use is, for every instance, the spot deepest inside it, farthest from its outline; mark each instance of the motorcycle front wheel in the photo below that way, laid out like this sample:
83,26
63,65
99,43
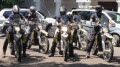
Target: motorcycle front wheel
18,50
44,45
108,51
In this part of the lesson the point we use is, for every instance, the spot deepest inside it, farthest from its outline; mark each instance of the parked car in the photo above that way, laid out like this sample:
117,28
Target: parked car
111,17
46,21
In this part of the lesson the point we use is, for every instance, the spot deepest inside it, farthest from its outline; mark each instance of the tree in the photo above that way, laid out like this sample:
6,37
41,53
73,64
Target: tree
9,3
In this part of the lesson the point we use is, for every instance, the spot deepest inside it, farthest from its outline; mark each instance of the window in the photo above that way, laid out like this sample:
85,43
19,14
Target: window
40,16
6,14
85,15
104,19
114,16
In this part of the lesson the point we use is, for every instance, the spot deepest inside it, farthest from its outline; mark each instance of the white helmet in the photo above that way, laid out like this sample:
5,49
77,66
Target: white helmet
32,9
16,9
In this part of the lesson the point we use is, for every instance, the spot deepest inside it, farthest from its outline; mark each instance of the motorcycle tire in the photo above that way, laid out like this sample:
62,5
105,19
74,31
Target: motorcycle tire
65,52
106,54
44,48
19,49
29,44
83,43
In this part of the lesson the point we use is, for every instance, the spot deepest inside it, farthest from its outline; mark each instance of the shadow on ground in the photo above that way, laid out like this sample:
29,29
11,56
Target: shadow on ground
53,64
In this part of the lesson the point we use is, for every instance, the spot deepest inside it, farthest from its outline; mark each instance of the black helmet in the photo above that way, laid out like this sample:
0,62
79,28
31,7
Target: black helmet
62,10
32,9
98,8
16,9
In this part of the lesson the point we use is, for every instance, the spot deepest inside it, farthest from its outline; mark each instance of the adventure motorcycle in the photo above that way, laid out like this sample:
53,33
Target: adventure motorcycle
107,46
17,45
38,37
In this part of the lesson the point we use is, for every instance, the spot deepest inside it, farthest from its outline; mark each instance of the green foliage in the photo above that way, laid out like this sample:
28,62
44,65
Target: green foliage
9,3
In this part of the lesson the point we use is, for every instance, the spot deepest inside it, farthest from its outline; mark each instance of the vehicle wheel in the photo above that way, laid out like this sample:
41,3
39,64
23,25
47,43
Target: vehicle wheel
65,51
44,45
83,42
29,44
51,32
108,51
115,40
19,50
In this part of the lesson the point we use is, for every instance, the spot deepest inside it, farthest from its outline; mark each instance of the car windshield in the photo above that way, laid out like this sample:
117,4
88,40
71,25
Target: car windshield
84,15
7,13
114,16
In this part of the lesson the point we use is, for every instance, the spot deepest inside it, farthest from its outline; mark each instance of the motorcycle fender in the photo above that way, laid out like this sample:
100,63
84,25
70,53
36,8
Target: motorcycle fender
108,35
44,32
84,31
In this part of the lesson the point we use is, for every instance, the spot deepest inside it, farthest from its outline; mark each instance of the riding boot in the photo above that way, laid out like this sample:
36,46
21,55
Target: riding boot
88,55
100,43
24,49
53,49
5,47
71,52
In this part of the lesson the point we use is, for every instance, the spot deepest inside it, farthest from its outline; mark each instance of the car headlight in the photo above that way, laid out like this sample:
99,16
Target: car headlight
64,29
17,29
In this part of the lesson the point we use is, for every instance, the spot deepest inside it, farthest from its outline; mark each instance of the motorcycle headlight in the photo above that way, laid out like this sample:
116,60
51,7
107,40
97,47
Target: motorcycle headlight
105,30
40,27
64,29
80,26
17,29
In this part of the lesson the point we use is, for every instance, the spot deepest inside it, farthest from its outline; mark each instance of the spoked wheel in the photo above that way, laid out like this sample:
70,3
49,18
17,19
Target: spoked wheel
83,42
29,44
108,51
65,51
51,32
18,50
44,45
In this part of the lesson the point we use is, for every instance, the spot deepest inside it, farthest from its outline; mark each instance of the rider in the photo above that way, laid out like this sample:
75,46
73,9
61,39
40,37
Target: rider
60,20
76,18
31,15
94,18
10,31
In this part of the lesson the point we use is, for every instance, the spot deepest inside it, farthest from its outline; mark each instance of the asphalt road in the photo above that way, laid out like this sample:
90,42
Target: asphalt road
36,59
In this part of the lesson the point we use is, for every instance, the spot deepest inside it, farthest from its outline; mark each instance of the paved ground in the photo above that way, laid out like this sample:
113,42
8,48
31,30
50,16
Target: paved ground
36,59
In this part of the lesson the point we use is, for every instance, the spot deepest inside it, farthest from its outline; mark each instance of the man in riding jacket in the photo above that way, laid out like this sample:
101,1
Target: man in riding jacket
96,17
62,19
10,32
31,16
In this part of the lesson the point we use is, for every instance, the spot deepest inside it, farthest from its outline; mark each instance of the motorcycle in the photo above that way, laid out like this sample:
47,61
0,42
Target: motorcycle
17,45
107,46
38,37
80,38
65,42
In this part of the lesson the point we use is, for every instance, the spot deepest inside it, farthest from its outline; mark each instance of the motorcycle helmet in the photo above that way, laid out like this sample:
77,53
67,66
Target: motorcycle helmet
62,10
16,9
32,9
98,8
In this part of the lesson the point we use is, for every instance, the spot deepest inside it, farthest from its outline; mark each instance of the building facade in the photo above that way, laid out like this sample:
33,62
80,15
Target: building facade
51,7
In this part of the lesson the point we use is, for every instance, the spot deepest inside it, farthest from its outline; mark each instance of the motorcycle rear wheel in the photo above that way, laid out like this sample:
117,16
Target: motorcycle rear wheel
44,45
